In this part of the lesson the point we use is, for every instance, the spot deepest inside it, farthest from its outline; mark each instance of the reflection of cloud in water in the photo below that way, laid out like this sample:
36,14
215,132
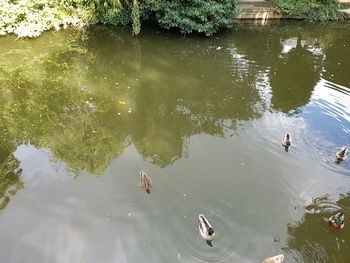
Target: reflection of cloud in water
61,243
306,154
68,222
240,66
334,101
311,45
328,116
38,167
288,45
263,86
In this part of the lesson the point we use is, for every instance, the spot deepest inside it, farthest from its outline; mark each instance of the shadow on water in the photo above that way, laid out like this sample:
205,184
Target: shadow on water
313,240
209,243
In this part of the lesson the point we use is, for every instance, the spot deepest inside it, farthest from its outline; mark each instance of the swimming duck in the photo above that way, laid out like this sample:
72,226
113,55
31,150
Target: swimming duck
337,221
205,229
145,182
287,141
342,155
275,259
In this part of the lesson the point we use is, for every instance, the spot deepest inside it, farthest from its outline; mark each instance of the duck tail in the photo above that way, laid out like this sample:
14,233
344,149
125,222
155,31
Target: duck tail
204,220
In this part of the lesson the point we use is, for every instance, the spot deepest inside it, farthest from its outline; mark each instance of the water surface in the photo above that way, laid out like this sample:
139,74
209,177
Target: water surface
83,112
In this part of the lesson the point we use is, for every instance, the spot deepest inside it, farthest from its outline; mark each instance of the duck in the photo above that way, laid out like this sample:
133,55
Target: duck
276,259
342,155
287,141
205,229
337,221
145,182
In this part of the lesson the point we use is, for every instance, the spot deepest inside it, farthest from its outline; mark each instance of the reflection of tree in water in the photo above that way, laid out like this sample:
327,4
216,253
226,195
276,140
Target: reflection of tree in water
293,75
103,91
312,240
90,102
337,64
260,46
181,90
10,180
294,78
52,114
69,98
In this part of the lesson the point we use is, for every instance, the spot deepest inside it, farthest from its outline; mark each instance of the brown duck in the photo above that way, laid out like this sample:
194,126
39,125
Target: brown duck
275,259
145,182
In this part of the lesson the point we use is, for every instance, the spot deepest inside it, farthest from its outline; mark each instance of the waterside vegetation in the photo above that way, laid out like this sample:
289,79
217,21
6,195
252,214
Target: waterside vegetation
319,10
29,18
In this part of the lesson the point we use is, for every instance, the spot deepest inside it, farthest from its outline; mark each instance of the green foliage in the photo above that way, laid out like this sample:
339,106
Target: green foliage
136,25
322,10
32,17
202,16
187,15
29,18
344,5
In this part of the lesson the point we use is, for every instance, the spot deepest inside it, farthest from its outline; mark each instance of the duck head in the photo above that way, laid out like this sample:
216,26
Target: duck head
211,232
337,221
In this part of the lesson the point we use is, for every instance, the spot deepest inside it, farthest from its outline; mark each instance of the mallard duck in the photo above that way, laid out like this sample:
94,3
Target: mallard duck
337,221
287,141
205,229
145,182
342,155
275,259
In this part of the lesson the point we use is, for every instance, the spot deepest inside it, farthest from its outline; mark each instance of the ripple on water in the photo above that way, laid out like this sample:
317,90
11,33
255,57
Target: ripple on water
333,104
182,234
312,238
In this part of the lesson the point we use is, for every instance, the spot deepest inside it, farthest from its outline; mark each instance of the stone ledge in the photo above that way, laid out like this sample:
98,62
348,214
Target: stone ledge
259,14
254,5
345,11
262,10
257,10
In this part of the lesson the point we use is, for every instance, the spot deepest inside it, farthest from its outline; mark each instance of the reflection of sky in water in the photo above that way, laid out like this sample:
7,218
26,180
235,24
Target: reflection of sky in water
333,100
311,45
328,120
39,167
288,45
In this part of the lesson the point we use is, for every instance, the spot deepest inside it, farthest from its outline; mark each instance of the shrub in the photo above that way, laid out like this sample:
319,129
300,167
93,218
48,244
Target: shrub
31,18
203,16
28,18
322,10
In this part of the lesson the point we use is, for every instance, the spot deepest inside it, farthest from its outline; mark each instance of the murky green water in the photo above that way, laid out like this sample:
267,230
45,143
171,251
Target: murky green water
83,112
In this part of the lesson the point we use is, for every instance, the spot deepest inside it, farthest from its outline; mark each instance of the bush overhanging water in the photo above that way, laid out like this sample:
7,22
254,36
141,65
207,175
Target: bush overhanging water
29,18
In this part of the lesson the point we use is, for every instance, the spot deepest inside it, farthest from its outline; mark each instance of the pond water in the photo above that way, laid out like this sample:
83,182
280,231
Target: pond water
83,112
